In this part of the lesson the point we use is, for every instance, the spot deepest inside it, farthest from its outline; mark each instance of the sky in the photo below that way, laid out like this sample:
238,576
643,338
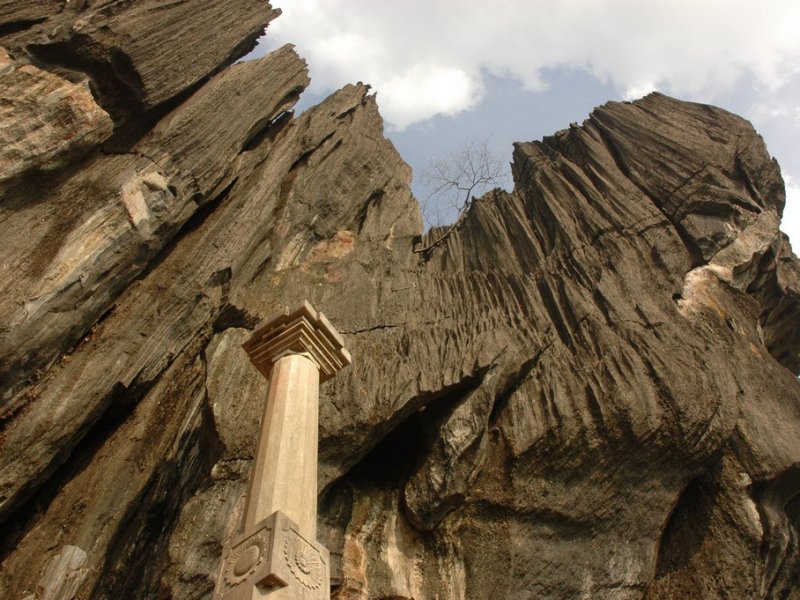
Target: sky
450,71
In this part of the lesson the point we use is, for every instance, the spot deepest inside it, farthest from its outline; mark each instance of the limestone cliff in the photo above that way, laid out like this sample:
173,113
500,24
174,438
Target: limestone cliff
588,391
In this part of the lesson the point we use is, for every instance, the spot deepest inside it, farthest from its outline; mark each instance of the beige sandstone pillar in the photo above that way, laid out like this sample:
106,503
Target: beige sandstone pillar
276,555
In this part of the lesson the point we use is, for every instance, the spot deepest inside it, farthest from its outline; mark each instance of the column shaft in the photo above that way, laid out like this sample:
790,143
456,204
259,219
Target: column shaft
285,468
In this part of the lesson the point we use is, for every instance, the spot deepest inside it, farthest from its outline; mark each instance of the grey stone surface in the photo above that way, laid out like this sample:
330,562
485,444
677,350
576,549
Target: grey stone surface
588,391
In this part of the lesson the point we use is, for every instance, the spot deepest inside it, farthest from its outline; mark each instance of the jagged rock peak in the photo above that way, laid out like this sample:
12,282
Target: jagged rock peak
588,390
137,54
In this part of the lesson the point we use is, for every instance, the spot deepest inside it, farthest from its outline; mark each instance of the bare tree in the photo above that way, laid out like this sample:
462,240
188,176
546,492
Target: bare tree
454,181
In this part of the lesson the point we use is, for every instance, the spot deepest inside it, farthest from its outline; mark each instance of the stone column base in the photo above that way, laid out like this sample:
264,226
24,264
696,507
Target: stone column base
273,557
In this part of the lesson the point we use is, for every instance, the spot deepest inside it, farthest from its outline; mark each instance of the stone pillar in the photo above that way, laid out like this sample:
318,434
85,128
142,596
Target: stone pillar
276,555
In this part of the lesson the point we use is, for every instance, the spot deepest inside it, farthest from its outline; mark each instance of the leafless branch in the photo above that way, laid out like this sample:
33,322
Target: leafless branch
454,181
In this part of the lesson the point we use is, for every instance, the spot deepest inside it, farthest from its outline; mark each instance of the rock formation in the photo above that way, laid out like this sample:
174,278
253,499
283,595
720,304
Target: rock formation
588,391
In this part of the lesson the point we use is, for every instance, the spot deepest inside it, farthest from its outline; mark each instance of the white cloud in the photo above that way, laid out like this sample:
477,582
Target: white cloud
430,57
423,89
639,90
779,105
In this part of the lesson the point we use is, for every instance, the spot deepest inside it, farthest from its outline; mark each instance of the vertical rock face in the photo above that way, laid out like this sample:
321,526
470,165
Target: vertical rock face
588,391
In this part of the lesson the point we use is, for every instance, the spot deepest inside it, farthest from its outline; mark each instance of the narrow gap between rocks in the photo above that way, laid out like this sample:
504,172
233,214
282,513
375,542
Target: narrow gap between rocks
32,505
115,84
395,456
192,224
17,26
269,128
138,554
686,527
393,460
128,133
387,466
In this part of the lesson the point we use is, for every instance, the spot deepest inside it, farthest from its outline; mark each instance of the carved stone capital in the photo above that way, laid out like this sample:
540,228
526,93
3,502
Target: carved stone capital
303,330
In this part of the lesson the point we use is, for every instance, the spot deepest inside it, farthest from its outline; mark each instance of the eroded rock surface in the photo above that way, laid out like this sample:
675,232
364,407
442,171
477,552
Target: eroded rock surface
588,391
138,54
45,121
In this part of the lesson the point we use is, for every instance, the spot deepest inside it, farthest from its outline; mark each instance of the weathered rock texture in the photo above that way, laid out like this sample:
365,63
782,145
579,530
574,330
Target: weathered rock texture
588,391
45,121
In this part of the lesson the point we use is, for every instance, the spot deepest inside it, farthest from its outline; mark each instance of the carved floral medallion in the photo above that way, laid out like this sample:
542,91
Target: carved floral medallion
304,561
244,560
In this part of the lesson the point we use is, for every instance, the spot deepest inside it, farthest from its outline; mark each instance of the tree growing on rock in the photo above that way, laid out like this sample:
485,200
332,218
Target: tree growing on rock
453,182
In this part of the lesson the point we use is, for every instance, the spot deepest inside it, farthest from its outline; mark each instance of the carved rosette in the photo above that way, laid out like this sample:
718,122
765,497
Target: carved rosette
304,561
244,559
